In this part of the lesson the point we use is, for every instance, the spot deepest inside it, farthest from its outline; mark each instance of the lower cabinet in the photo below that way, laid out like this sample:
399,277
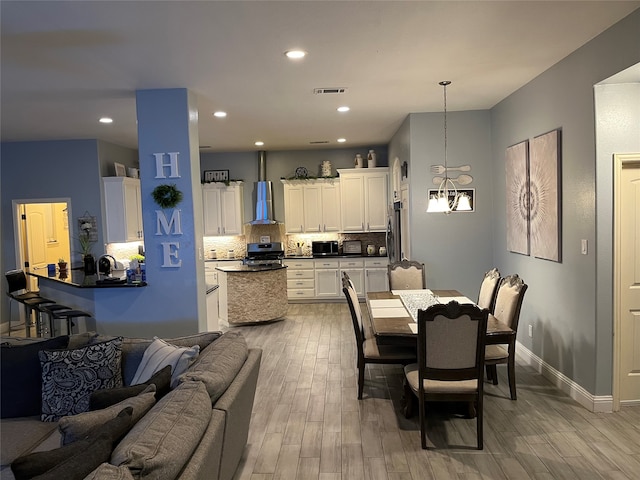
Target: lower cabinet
321,279
376,277
300,279
327,279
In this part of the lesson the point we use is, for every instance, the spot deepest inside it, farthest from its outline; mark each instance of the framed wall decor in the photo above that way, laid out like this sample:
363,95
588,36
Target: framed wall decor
469,192
544,196
216,176
120,169
517,197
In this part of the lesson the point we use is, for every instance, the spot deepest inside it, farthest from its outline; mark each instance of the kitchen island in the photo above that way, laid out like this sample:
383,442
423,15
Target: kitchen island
252,294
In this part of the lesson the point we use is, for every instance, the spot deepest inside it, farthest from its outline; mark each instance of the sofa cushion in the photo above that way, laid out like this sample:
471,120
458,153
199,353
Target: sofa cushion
76,460
110,396
19,436
69,377
218,364
160,444
21,376
106,471
77,427
133,349
160,354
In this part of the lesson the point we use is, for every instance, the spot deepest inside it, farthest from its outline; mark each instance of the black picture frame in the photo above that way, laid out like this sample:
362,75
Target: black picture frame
216,176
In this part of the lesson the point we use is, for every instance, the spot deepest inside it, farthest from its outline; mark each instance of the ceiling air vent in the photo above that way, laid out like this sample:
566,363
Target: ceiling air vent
318,91
317,142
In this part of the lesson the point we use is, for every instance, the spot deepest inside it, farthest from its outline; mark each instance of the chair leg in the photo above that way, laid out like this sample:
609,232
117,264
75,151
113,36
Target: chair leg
423,423
494,374
488,368
361,368
409,400
480,423
511,371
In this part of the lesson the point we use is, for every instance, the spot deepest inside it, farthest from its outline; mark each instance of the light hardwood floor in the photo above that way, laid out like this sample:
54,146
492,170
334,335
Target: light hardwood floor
308,424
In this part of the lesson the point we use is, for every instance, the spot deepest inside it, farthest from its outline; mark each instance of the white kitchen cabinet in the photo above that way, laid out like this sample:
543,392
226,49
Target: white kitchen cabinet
364,195
123,209
300,279
294,208
327,279
312,206
222,208
355,269
376,278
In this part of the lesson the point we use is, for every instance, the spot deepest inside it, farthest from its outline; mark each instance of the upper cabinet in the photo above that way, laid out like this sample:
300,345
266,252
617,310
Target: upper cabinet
123,209
364,197
312,206
223,208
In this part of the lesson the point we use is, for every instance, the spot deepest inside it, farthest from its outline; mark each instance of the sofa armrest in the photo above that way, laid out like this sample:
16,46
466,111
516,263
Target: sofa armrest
237,404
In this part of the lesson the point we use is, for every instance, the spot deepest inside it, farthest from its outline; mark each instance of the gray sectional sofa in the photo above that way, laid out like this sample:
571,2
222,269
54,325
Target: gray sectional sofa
196,431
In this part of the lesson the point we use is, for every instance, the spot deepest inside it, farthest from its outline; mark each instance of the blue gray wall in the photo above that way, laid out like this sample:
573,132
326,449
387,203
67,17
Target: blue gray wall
455,248
568,303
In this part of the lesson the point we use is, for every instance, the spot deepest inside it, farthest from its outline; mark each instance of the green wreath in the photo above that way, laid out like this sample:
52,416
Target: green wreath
167,196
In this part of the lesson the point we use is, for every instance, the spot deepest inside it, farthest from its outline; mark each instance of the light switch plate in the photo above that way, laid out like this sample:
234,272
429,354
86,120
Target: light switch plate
583,246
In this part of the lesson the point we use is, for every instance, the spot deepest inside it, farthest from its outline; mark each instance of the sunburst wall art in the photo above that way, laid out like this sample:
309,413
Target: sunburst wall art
544,197
517,176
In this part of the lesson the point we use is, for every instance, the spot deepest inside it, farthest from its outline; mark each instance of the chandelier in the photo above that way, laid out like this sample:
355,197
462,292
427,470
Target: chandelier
447,199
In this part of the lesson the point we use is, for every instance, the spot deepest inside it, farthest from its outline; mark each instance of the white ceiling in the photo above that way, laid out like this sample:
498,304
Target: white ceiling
65,64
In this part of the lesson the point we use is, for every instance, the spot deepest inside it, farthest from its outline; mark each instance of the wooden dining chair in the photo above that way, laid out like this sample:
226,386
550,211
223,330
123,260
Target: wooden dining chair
507,307
451,339
406,275
488,289
368,349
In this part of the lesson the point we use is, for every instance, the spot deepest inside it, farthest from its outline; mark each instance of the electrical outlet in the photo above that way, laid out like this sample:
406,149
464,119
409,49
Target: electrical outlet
531,331
583,246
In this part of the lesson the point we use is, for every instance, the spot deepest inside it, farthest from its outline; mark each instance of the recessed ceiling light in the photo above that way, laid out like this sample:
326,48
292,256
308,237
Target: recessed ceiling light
342,140
106,120
259,143
295,54
220,114
343,109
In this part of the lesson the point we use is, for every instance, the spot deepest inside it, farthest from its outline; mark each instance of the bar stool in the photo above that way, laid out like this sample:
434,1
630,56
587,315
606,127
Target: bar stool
33,306
49,310
17,282
69,315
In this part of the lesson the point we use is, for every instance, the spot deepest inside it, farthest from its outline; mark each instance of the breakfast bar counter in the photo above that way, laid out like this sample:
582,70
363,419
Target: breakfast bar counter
252,294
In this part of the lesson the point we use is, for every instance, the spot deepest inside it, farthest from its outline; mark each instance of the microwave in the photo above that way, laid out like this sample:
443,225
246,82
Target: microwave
322,249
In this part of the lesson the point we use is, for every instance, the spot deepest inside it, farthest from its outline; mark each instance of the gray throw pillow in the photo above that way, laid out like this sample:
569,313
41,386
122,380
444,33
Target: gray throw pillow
110,396
133,349
160,354
69,377
76,460
218,364
160,444
77,427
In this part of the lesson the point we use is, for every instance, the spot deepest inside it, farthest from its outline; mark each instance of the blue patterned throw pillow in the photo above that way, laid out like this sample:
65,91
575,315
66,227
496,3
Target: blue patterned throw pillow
70,376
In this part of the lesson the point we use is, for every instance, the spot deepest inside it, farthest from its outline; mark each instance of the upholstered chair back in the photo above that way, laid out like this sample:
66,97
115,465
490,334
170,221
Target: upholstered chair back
509,300
406,275
488,287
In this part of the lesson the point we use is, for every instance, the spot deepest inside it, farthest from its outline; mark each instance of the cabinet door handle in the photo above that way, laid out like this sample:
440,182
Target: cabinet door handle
368,227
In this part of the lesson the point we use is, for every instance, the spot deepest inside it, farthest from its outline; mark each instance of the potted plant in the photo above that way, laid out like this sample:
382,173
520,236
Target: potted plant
86,244
62,264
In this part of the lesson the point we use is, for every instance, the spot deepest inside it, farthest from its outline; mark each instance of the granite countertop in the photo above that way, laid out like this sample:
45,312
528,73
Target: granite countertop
250,268
77,278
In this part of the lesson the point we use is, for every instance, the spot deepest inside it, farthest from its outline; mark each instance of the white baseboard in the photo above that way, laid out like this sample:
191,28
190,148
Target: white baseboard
593,403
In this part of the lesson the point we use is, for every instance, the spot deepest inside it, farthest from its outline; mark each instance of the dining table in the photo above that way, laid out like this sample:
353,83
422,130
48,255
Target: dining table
393,316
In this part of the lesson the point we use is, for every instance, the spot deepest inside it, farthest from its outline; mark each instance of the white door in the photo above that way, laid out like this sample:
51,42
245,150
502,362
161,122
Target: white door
627,243
36,218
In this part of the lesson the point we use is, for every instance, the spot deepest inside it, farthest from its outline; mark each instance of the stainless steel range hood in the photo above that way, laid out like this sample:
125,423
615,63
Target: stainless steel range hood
263,194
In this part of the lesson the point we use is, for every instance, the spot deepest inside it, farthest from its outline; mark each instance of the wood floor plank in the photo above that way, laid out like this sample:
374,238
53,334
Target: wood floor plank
308,424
